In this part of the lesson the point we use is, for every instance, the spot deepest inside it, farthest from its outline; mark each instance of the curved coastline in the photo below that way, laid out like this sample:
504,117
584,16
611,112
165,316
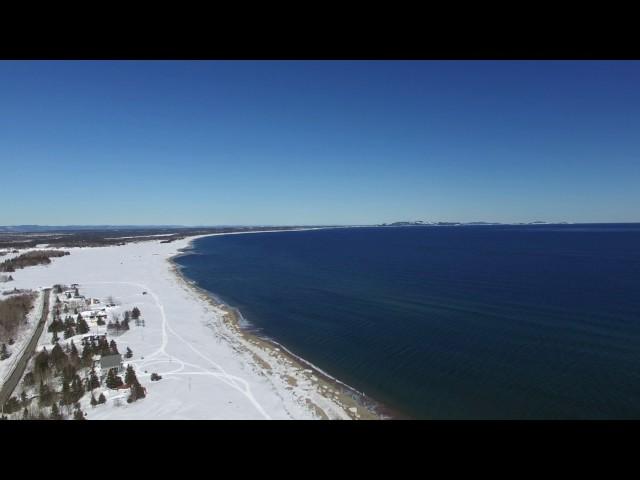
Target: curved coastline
355,404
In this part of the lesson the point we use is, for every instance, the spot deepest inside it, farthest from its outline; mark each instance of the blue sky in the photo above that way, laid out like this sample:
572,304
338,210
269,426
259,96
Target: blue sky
320,142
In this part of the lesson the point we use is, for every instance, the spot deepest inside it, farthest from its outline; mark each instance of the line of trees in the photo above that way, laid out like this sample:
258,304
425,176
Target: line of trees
37,257
69,326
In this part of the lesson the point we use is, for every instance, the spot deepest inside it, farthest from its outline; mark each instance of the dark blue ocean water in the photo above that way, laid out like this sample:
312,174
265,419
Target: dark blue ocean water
468,322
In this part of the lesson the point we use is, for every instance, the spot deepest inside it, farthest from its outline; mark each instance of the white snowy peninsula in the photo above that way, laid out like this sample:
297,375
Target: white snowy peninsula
208,367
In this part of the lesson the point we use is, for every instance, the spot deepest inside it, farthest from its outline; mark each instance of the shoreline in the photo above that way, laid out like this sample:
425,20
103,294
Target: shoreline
356,405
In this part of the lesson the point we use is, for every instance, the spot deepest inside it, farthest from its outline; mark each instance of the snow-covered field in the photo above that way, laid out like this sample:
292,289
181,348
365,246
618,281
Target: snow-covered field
209,370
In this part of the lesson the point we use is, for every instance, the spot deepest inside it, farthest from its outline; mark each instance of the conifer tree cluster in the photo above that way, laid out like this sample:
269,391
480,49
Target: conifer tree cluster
69,326
113,381
93,381
97,347
78,414
137,390
118,327
64,363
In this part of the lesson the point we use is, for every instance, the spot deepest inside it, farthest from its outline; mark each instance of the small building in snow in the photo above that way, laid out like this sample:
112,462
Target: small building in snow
107,362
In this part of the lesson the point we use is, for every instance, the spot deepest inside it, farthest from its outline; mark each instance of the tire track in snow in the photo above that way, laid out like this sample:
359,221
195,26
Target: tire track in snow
230,380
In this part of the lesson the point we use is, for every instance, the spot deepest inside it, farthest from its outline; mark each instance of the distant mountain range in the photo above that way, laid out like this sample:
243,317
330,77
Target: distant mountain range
423,223
71,228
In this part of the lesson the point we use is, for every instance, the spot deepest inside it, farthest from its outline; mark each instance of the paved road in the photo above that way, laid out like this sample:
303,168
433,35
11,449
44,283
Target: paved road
15,376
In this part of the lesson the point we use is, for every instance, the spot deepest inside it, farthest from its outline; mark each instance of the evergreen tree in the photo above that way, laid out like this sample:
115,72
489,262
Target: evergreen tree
93,402
25,414
55,338
137,392
56,325
58,358
23,398
4,353
87,356
126,316
130,375
77,391
74,358
129,353
55,413
101,399
78,415
68,373
28,380
41,366
94,381
69,331
125,324
66,394
104,346
83,326
113,380
113,347
45,396
135,313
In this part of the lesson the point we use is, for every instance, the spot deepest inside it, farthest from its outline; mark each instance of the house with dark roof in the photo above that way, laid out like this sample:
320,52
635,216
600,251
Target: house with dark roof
107,362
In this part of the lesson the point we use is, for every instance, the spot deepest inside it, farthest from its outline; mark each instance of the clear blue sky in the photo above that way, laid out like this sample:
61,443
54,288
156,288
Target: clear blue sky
318,142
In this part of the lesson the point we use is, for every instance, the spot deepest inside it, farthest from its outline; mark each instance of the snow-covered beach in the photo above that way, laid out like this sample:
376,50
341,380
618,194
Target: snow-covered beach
210,368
